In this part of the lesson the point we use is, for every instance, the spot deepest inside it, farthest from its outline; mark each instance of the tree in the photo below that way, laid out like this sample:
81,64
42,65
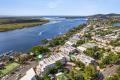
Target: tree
1,73
39,50
90,52
21,58
52,70
46,77
114,77
98,55
44,41
58,64
89,71
71,75
118,71
79,42
80,64
88,35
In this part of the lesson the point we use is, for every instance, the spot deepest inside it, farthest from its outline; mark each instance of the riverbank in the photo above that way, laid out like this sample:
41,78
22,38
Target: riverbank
27,59
21,40
19,25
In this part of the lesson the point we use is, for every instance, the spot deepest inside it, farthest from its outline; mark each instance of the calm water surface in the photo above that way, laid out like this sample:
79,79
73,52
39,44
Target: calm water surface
116,24
24,39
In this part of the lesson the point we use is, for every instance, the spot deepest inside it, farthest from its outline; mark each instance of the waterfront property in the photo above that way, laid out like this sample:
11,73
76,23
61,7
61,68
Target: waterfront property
47,63
85,46
85,59
73,40
67,49
26,38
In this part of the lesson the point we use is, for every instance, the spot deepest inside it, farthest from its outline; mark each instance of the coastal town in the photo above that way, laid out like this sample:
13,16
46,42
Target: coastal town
90,51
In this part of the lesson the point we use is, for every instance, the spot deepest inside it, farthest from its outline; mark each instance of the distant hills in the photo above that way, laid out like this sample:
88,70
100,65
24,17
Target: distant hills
96,15
104,15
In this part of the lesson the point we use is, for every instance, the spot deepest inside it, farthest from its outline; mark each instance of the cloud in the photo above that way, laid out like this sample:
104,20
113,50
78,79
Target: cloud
54,3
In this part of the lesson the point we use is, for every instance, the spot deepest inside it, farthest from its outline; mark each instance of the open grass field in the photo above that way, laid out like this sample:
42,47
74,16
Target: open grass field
8,68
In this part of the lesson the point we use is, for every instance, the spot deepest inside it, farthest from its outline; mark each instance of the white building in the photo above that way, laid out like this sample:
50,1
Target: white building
66,49
85,46
30,75
73,40
85,59
101,39
117,49
47,63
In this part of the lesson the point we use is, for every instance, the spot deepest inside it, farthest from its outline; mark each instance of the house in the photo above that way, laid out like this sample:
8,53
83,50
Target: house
73,40
85,59
117,49
67,49
85,46
30,75
101,39
47,63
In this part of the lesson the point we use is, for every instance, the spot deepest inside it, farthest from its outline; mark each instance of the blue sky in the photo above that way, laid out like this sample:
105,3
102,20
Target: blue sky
58,7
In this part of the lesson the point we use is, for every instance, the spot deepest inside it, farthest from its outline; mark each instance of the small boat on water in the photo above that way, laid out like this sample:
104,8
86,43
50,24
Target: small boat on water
60,33
40,33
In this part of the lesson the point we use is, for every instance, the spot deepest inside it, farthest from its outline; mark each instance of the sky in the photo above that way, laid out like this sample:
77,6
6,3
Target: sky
58,7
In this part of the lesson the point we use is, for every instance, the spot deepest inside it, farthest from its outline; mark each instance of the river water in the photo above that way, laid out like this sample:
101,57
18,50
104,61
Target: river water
23,39
116,24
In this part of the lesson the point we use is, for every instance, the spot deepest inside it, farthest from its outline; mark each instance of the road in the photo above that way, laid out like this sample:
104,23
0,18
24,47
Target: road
108,71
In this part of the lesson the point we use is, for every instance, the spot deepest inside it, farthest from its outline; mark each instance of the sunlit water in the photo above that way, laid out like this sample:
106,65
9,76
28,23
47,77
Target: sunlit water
24,39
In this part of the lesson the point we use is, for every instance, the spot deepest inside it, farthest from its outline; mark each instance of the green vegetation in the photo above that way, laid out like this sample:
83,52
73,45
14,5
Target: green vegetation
62,77
96,53
115,42
52,70
21,58
114,77
44,41
86,73
60,40
87,35
8,68
80,42
103,33
22,24
39,50
109,59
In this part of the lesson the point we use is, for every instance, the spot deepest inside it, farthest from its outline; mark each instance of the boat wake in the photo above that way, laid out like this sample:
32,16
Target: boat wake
40,33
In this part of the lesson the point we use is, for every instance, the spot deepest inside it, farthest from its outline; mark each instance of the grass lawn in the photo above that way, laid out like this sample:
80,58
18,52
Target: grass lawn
8,68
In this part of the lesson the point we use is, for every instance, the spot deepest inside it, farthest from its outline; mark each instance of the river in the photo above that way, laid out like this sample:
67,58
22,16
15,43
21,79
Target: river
23,39
116,24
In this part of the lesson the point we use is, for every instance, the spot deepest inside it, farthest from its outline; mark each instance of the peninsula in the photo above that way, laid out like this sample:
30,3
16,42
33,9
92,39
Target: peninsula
7,24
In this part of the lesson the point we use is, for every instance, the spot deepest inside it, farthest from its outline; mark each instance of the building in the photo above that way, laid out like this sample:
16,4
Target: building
73,40
30,75
105,39
85,46
85,59
101,39
117,49
47,63
67,49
